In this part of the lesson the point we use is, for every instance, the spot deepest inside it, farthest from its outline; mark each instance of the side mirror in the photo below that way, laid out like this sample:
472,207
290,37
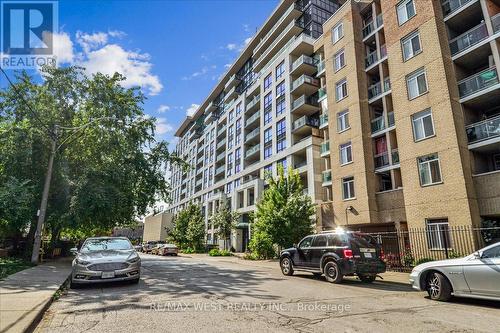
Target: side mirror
73,251
477,255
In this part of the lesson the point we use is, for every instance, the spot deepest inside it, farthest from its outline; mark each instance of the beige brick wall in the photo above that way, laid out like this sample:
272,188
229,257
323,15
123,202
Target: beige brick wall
156,227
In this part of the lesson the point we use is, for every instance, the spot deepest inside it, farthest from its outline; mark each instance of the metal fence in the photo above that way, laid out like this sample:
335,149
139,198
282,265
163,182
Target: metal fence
405,249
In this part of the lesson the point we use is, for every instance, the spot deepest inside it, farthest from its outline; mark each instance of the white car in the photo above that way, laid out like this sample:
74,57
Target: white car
475,276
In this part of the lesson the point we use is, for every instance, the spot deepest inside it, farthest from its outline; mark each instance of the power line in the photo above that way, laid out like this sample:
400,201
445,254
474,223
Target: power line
33,113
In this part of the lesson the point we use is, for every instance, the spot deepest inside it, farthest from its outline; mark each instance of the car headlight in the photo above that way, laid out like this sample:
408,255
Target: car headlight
134,260
82,262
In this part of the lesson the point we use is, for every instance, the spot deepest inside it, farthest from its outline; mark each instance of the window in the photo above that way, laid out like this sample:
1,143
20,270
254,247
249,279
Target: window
237,160
438,234
423,126
281,129
319,241
428,167
280,70
342,121
348,188
337,32
341,90
406,10
229,164
230,116
306,242
238,132
494,252
345,153
268,151
268,171
416,83
411,45
339,60
280,89
268,105
229,188
280,144
268,133
280,105
268,80
230,136
238,109
282,163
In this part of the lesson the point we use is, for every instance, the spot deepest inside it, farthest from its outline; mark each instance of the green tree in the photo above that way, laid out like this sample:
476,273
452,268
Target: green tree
107,172
224,220
189,228
283,215
196,230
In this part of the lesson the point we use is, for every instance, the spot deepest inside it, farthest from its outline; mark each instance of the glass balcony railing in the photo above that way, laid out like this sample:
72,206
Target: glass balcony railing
252,134
468,39
220,169
390,119
323,119
478,82
253,102
382,160
221,143
304,79
495,22
379,123
221,131
254,117
304,100
321,66
450,6
395,156
377,89
252,150
220,157
372,26
327,176
483,130
303,59
325,147
321,93
305,121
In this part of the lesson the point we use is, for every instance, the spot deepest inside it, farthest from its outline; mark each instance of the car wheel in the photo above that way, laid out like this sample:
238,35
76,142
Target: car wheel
332,272
367,278
438,287
286,266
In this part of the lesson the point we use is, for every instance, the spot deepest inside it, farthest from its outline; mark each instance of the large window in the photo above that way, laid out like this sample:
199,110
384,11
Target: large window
230,137
268,151
348,188
343,121
345,153
337,32
268,171
230,116
238,109
268,135
238,132
280,70
416,83
229,164
423,126
429,170
280,135
268,105
341,90
237,160
406,10
438,234
411,45
268,80
280,105
280,89
339,60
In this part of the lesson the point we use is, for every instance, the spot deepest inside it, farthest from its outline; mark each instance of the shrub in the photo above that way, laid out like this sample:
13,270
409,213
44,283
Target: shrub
219,253
261,246
422,260
188,250
250,256
453,255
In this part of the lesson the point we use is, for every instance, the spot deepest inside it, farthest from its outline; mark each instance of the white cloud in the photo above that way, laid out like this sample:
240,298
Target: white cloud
63,48
231,46
162,126
192,109
226,66
200,73
91,41
163,108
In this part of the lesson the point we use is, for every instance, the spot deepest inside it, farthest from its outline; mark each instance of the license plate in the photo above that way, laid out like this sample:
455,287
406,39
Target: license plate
108,275
368,255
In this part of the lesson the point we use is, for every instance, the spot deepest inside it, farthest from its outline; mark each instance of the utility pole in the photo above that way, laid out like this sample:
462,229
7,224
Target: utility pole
43,206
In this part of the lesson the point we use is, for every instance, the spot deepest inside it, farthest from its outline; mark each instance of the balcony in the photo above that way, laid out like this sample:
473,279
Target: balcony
379,124
468,39
251,120
372,58
371,26
302,44
254,134
232,82
253,103
321,94
304,124
304,85
325,149
305,105
320,68
220,157
252,151
221,131
451,6
326,178
199,182
221,144
303,65
382,162
220,170
484,132
232,93
323,119
495,22
478,82
376,90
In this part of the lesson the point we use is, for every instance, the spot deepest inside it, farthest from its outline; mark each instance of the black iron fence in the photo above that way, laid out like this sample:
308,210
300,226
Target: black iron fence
405,249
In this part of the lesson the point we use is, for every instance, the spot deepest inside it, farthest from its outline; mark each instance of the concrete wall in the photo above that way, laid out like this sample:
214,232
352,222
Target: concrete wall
156,227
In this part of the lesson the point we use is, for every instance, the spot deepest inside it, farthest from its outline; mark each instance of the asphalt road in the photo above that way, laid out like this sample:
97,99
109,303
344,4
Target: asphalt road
203,294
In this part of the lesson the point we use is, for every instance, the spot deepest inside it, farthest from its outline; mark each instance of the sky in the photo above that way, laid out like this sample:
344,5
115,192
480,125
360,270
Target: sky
175,50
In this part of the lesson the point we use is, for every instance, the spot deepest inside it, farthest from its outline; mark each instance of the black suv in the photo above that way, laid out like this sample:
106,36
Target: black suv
335,254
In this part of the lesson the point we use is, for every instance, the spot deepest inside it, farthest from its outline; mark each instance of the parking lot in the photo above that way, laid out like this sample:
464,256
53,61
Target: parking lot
193,293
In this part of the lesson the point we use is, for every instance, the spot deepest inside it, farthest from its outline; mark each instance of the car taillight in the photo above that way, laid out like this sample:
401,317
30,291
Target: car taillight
348,253
382,255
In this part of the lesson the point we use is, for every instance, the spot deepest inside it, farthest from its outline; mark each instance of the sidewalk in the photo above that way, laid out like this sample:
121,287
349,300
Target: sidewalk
25,295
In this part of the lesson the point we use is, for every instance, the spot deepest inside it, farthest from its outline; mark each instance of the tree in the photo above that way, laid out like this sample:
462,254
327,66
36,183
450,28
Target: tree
283,215
105,174
224,220
196,230
189,228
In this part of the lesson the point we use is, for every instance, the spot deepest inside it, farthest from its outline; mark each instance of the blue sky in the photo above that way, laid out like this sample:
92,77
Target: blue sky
175,49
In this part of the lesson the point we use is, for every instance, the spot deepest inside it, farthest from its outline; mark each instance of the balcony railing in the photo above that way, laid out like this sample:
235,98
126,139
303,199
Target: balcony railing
220,169
254,117
327,176
371,58
320,66
325,147
221,131
305,120
303,59
379,123
252,103
483,130
323,119
321,93
252,150
450,6
495,22
304,100
304,79
221,143
220,157
252,134
372,26
377,89
382,160
478,82
468,39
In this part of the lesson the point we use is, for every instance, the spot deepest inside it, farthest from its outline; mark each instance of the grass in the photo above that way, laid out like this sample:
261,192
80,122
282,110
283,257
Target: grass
10,266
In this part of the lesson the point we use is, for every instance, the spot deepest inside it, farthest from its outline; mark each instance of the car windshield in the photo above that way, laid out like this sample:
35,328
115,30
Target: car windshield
106,244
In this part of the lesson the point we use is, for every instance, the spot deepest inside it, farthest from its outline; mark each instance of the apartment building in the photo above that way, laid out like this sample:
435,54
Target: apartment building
389,110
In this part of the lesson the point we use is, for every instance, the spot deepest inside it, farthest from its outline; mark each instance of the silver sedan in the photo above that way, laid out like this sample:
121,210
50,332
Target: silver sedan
475,276
103,259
